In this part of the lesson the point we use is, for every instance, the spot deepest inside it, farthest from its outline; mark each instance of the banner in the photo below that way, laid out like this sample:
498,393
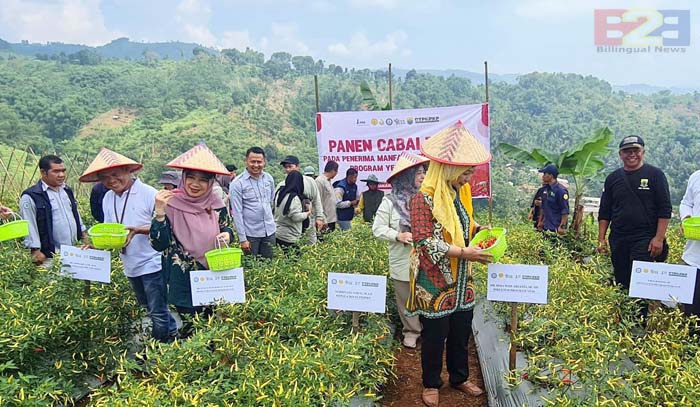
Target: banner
371,141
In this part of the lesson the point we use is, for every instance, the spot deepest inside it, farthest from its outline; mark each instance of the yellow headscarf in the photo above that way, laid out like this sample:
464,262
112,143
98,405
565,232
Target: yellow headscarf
437,184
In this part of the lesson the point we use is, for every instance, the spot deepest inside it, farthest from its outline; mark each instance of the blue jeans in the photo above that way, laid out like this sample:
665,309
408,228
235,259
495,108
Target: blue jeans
151,293
345,224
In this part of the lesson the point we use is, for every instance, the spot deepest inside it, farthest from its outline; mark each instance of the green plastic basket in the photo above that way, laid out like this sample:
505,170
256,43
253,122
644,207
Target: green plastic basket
224,258
498,248
691,228
108,235
14,229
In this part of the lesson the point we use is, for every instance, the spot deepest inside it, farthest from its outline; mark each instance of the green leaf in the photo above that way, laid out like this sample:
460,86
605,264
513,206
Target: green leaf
368,97
534,158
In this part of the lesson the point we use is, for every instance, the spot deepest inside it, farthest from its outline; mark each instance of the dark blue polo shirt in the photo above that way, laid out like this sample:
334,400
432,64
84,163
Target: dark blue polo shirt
555,203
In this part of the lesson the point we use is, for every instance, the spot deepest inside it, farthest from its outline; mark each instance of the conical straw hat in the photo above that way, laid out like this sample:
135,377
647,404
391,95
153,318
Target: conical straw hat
455,145
406,160
199,158
107,159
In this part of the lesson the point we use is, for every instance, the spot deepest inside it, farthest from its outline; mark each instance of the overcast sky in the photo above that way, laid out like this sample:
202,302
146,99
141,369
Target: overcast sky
515,36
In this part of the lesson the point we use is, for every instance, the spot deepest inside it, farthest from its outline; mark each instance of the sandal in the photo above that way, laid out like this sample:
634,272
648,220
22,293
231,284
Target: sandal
469,388
431,397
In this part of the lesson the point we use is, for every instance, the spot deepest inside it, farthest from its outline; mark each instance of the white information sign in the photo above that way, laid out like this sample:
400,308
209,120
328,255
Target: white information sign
661,281
357,292
86,264
518,283
210,287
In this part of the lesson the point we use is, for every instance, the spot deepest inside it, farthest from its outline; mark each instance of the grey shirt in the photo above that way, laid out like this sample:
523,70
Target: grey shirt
251,204
328,200
64,228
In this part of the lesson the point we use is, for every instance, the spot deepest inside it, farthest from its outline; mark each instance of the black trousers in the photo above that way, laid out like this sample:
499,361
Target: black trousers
451,332
626,249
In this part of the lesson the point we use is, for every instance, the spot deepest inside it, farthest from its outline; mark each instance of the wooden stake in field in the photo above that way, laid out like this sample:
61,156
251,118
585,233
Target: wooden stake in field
513,331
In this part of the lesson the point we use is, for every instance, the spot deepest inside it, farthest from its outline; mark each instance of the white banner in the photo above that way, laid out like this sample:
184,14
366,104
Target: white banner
371,141
661,281
518,283
86,264
210,287
357,292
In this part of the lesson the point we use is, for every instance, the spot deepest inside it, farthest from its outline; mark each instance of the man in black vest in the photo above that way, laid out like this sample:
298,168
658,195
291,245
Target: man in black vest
346,198
52,212
636,204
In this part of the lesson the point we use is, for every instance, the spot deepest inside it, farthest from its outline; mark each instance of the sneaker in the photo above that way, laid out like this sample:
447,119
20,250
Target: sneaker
410,343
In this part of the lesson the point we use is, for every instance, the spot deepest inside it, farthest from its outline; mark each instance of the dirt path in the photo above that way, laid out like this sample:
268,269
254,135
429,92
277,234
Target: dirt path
405,391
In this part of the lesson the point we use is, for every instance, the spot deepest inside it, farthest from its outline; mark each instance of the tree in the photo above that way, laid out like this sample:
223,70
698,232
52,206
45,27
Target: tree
582,162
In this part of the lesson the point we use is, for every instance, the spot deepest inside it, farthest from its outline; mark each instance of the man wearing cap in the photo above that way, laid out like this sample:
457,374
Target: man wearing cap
252,194
131,202
169,180
52,212
536,206
636,205
555,202
346,198
370,199
291,163
325,189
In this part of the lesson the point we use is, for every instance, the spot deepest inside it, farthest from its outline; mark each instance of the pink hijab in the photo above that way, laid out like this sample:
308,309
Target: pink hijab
194,222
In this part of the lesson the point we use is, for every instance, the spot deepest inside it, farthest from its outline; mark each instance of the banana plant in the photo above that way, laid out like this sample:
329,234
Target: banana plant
369,100
581,162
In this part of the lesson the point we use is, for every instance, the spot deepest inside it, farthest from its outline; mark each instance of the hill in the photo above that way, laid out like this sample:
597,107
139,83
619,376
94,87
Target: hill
236,99
119,48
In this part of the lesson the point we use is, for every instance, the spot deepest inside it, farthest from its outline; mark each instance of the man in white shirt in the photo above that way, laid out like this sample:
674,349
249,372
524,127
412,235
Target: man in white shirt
130,202
52,212
690,207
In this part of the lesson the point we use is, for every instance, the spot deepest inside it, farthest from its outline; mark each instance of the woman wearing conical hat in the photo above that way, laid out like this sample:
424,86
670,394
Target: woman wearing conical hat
442,288
188,222
392,223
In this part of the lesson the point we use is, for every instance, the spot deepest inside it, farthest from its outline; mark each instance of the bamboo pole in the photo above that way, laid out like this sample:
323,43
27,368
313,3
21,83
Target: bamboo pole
513,331
318,101
391,98
486,89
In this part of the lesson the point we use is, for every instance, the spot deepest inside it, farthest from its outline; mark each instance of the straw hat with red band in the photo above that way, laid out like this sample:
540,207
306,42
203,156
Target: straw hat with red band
455,145
199,158
406,160
107,159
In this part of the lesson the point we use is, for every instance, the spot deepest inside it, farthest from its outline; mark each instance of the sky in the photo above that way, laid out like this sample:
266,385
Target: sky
514,36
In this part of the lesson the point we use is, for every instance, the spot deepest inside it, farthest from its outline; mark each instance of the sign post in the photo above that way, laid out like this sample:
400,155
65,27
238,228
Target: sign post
356,293
86,264
517,283
210,287
664,282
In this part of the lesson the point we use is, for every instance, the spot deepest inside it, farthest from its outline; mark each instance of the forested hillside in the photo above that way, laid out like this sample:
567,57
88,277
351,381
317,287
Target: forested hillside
153,110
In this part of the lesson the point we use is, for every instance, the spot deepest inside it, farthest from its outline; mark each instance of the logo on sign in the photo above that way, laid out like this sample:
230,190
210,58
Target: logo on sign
389,122
361,122
641,30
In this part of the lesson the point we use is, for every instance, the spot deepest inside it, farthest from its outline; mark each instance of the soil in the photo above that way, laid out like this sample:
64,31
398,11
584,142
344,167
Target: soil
406,389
